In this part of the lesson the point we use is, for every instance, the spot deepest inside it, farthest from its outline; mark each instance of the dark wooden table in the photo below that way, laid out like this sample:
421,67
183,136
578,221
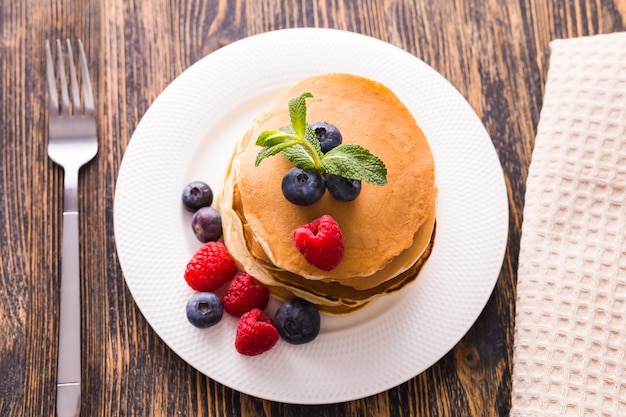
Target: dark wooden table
495,53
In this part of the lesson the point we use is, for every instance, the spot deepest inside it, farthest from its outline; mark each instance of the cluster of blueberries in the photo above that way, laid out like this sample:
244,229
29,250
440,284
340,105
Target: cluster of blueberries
305,187
206,222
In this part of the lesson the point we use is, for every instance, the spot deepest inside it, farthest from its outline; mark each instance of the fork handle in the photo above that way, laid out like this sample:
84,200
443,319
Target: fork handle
68,379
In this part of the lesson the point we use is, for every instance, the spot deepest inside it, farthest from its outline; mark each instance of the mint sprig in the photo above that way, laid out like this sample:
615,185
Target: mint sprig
298,143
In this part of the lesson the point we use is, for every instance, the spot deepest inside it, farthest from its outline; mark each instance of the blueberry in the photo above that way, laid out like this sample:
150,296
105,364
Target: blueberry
196,195
303,187
328,135
204,309
207,224
341,188
297,321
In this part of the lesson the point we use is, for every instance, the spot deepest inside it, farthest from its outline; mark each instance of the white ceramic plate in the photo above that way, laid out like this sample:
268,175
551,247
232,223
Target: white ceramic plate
188,134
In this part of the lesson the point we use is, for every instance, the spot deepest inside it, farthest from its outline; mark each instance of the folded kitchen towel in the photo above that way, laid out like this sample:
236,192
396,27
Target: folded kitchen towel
570,324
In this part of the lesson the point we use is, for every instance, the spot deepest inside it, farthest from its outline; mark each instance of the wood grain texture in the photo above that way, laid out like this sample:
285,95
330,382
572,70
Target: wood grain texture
495,53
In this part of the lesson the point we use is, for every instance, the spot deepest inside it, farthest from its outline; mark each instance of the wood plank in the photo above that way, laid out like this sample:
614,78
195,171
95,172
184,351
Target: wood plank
495,54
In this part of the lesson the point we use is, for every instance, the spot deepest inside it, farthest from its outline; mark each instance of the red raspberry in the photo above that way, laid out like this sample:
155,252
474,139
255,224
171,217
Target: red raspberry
210,267
320,242
256,333
244,294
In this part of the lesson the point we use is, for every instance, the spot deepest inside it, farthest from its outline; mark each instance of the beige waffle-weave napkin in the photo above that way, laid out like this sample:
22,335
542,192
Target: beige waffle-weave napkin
570,326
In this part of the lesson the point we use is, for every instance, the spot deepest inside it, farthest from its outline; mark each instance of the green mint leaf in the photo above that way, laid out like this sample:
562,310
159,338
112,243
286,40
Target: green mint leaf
273,150
311,137
299,157
288,129
355,162
297,113
274,137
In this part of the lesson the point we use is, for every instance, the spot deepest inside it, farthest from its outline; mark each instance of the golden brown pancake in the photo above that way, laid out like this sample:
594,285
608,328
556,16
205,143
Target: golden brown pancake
330,297
396,266
388,230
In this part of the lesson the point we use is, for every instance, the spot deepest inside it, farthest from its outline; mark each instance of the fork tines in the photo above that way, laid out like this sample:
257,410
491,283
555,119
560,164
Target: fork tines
63,107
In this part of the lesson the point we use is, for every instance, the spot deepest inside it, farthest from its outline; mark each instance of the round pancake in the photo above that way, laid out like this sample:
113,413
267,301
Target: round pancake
398,265
381,223
329,297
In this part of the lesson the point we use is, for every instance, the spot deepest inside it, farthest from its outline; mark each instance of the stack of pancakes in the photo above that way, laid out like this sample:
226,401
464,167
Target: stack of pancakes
388,230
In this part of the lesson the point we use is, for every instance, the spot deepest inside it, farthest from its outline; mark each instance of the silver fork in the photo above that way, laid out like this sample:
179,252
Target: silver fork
72,143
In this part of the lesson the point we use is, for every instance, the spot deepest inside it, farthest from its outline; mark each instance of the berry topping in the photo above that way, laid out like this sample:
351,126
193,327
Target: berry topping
197,194
320,242
244,294
297,321
210,267
256,333
328,135
207,224
303,187
299,144
204,309
341,188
